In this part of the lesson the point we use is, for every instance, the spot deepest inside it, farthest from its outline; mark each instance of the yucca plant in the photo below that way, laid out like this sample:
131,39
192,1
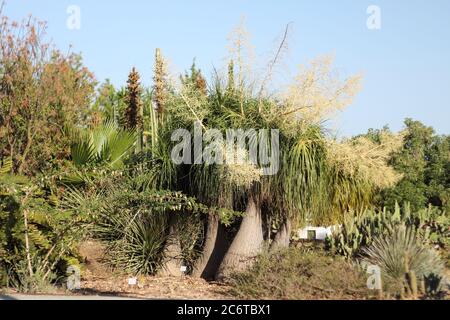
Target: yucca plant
308,187
134,221
404,259
135,241
292,196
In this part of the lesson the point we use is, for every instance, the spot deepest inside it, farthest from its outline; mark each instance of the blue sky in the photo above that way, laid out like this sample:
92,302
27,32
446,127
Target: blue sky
406,64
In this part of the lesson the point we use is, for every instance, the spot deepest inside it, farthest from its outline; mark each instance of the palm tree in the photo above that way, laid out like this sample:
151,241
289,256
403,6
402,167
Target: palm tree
105,145
287,195
309,187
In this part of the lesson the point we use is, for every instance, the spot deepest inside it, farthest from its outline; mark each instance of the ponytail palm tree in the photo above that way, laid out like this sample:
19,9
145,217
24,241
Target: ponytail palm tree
287,195
291,196
309,186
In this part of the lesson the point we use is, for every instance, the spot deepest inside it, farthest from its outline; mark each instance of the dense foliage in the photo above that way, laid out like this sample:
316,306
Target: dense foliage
134,226
424,162
38,233
41,91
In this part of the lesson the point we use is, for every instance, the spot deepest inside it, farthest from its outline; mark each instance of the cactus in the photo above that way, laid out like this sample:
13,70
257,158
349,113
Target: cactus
359,230
410,280
413,284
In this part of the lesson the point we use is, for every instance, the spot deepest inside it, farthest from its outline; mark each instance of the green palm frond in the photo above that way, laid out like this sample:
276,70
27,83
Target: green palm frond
106,144
119,145
82,152
6,167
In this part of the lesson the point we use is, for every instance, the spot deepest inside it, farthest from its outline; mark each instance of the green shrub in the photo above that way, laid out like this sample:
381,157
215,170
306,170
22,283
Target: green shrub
19,278
36,231
296,274
404,261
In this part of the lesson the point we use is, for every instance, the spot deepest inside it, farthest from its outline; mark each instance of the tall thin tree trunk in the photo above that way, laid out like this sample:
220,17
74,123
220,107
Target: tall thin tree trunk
283,237
174,261
246,245
214,250
27,242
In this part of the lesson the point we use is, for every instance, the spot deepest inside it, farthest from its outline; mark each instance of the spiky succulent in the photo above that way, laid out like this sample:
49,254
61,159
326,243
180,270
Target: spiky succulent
400,252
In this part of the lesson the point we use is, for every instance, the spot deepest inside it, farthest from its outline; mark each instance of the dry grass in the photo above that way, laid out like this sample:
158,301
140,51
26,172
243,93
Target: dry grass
296,274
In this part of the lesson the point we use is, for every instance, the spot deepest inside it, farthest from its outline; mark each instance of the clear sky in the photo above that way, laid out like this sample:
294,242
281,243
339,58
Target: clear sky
406,63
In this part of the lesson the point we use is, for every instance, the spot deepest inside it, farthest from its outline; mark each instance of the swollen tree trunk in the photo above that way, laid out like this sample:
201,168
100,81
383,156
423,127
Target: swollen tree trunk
174,262
213,252
246,245
283,237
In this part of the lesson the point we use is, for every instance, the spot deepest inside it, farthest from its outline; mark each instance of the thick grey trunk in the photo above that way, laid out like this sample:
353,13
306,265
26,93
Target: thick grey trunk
174,261
213,252
282,239
246,245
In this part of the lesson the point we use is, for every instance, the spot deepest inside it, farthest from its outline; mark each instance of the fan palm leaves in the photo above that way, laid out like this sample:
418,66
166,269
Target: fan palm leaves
6,166
104,145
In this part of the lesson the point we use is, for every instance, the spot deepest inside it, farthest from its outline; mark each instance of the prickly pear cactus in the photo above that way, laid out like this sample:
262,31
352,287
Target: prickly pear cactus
359,230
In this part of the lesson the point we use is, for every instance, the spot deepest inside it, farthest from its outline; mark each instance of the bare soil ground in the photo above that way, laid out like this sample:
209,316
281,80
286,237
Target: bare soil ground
98,279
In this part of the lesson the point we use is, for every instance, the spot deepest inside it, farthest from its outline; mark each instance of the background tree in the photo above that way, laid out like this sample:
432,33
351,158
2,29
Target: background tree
195,79
437,173
41,92
109,104
424,162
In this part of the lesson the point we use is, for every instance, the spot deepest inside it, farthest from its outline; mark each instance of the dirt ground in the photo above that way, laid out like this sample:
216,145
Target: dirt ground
98,279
